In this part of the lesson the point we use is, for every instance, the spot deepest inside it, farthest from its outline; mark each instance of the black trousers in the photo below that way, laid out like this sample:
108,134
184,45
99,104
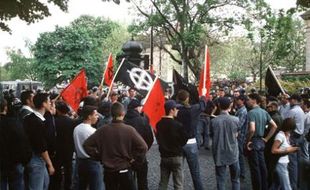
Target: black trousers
141,172
63,171
119,180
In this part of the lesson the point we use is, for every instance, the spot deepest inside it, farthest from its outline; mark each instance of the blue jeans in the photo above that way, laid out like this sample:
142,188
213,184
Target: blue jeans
191,155
13,178
37,173
241,159
293,166
221,172
283,180
90,175
202,135
257,165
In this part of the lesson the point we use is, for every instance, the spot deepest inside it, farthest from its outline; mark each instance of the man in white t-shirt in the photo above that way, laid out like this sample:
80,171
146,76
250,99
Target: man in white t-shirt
89,171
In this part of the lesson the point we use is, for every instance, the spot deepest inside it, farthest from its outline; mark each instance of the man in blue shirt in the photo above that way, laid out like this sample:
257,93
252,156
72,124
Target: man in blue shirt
224,132
242,114
295,112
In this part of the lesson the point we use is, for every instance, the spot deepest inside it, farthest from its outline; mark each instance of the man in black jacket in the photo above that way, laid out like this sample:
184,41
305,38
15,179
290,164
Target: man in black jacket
136,119
64,147
171,137
15,148
188,115
40,166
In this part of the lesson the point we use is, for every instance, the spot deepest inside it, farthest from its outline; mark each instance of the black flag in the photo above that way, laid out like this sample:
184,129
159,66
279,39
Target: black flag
133,76
180,83
273,87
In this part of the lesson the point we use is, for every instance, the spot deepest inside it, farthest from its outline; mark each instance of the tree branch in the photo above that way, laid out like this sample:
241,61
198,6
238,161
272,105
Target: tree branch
166,20
142,12
171,55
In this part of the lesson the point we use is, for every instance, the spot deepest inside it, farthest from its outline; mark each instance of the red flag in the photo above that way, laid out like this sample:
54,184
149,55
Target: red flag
154,104
108,73
76,90
205,78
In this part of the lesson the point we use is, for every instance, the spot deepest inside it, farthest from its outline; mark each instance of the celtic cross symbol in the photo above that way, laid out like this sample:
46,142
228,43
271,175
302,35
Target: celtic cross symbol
141,78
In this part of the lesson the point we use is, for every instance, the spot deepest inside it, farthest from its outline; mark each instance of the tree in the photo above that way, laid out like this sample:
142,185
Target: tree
189,25
20,67
62,53
4,74
304,3
27,10
277,39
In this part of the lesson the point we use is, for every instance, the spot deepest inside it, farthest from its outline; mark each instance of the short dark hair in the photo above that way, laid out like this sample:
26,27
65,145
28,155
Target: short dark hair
62,107
307,102
90,101
275,104
224,103
182,95
256,97
39,99
3,104
117,109
87,111
288,125
25,95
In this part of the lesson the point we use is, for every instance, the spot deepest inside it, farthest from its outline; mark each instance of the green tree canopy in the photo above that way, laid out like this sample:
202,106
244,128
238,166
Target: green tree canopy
62,53
20,67
27,10
189,25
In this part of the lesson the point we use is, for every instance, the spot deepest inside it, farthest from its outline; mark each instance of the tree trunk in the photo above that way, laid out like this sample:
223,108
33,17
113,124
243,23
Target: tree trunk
184,62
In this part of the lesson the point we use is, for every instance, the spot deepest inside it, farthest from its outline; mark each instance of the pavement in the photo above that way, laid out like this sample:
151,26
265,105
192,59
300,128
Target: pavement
207,171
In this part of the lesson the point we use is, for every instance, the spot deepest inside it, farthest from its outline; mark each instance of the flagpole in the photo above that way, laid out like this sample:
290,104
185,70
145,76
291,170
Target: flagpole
111,86
101,84
205,72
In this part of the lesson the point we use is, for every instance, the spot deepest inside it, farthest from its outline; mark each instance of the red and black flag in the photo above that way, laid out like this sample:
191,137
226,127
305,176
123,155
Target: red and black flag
154,103
76,90
135,77
108,72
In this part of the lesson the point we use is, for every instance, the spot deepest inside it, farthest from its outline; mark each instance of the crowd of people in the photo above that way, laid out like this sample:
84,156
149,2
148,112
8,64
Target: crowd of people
44,144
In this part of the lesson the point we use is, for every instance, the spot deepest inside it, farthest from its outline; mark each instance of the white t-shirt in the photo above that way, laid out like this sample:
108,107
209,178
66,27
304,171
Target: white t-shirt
80,134
284,144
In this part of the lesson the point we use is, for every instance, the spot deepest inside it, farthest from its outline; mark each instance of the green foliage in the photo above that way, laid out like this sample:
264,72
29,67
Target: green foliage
27,10
278,38
4,74
232,58
293,86
20,67
304,3
62,53
296,78
188,25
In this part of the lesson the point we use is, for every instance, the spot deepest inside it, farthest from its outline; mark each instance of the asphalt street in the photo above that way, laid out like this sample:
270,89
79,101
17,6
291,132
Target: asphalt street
207,171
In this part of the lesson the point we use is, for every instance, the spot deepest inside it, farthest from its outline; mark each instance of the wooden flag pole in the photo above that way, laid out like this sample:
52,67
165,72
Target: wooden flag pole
111,86
204,89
